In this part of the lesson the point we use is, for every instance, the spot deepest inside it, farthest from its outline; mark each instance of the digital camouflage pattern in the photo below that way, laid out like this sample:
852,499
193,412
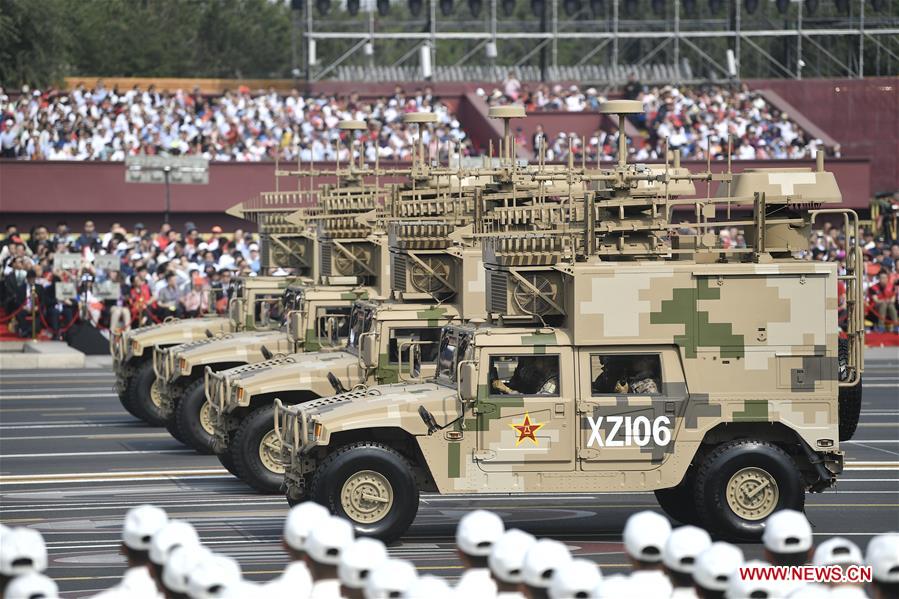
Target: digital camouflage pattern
745,340
305,375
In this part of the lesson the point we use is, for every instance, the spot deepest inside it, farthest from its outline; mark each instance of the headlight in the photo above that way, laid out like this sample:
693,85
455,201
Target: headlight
240,394
182,364
135,346
316,431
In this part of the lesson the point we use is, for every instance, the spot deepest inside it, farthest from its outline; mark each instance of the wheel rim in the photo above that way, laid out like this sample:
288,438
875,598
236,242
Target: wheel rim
156,395
366,497
270,451
206,419
752,493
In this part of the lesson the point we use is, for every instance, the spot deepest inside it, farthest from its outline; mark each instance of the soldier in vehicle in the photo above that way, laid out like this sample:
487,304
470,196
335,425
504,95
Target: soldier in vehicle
533,375
476,534
642,377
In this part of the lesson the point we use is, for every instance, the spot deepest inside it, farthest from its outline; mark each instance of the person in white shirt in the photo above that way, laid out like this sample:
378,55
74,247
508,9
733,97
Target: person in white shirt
299,522
141,523
476,535
327,540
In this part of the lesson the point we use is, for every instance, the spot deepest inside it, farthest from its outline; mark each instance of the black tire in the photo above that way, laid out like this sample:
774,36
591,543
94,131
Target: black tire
244,449
171,425
226,461
716,470
334,471
187,415
143,405
125,399
850,398
678,502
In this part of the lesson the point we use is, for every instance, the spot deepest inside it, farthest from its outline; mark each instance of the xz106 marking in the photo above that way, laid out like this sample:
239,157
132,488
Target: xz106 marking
637,431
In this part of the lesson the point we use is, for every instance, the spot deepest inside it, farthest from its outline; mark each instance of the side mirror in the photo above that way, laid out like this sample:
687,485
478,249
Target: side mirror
331,330
415,368
414,349
369,350
468,381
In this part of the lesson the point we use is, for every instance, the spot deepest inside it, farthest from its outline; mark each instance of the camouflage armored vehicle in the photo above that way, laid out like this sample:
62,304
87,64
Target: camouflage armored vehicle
133,351
636,355
316,311
437,277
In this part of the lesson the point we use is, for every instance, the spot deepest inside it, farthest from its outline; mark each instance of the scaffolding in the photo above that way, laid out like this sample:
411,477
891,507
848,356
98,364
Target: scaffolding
680,41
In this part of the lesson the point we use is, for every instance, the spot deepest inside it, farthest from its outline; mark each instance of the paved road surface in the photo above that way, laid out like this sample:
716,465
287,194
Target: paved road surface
72,462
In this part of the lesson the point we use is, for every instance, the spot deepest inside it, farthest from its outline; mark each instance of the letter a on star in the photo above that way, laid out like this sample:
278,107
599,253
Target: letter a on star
526,430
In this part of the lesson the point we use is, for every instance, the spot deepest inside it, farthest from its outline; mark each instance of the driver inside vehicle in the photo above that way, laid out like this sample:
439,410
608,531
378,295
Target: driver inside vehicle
533,375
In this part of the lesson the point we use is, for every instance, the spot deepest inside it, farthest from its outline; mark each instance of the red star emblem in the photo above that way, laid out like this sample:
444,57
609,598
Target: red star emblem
526,430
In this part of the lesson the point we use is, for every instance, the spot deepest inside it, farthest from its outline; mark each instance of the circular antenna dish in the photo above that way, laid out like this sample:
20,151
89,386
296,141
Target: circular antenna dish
420,117
511,111
352,125
622,107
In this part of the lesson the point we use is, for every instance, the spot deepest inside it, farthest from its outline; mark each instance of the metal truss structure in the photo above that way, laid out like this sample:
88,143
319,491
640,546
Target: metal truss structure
694,39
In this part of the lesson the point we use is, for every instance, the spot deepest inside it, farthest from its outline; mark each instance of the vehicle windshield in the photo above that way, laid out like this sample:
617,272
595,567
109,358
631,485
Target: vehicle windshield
454,346
360,323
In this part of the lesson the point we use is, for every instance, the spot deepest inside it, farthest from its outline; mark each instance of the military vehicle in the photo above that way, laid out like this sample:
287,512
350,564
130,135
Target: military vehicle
626,351
437,277
132,351
357,270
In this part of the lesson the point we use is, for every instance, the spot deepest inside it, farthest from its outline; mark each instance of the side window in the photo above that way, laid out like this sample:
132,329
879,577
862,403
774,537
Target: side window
631,374
524,375
341,315
429,349
268,309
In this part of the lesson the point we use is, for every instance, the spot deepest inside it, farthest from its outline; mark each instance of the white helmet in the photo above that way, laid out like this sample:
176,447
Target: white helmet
615,587
645,535
431,587
32,585
327,540
682,547
541,562
357,561
300,520
180,563
651,583
476,582
787,531
392,578
245,589
716,565
22,551
578,578
507,556
883,557
212,577
173,534
746,588
478,531
837,551
141,523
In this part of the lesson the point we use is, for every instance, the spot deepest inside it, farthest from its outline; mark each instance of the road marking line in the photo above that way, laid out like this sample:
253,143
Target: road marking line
73,424
74,454
113,476
94,437
57,396
880,385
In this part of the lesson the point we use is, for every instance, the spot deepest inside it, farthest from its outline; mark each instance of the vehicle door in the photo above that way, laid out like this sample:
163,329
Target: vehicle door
526,411
629,403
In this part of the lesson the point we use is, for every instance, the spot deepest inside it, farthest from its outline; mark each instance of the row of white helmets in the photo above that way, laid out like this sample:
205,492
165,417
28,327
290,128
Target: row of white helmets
514,558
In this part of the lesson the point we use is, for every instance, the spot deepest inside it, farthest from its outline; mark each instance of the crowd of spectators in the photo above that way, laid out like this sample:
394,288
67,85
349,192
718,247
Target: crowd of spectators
237,126
693,119
166,558
161,274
